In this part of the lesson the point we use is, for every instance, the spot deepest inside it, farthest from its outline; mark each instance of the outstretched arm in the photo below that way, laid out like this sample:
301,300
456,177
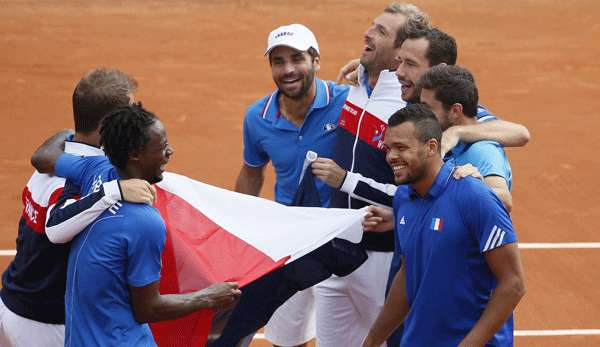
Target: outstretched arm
364,188
150,306
70,215
44,158
508,134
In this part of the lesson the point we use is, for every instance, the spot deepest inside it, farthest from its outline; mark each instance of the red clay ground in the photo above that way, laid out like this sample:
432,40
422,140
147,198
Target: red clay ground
200,64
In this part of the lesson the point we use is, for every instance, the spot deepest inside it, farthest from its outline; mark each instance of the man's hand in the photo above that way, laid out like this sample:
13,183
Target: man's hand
466,170
220,295
450,139
329,172
138,191
349,73
378,219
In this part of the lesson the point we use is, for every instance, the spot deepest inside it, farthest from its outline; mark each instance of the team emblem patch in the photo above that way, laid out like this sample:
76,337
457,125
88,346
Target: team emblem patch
437,224
329,127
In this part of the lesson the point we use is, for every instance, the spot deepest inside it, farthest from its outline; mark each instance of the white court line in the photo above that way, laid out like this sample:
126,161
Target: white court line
563,332
565,245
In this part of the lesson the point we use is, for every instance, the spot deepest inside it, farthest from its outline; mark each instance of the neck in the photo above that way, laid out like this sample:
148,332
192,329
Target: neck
92,139
464,120
373,75
295,110
423,185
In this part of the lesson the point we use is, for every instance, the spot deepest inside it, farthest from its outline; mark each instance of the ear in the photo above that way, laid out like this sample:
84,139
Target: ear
456,112
433,147
317,63
134,156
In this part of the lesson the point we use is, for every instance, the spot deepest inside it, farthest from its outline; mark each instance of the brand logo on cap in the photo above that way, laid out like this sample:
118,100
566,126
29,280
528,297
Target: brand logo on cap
284,33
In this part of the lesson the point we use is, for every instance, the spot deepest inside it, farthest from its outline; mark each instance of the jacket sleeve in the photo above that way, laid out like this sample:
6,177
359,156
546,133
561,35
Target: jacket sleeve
368,190
70,215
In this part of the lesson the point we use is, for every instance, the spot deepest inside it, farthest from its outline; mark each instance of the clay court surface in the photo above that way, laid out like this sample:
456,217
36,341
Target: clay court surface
199,64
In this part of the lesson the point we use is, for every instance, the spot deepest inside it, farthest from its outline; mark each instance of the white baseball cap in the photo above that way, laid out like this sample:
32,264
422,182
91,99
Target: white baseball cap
296,36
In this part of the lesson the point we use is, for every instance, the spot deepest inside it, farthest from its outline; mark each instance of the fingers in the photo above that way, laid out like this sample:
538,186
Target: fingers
352,78
138,191
152,190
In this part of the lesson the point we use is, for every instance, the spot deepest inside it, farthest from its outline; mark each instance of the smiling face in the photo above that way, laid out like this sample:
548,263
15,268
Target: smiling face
406,155
412,63
293,71
155,155
379,52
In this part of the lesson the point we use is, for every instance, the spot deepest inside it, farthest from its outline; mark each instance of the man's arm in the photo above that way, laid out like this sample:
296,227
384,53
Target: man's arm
44,158
349,73
149,306
70,215
354,184
500,187
364,188
505,264
508,134
250,180
392,314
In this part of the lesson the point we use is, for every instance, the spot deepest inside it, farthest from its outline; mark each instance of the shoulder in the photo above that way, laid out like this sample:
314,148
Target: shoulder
402,194
143,215
469,190
484,115
337,90
256,109
484,149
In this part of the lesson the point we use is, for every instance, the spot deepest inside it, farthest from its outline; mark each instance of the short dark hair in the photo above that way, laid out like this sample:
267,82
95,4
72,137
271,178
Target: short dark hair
100,91
441,48
452,84
416,19
124,131
426,125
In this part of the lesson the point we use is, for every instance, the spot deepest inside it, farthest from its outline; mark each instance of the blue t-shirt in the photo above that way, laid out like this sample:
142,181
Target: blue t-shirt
488,156
270,136
120,249
443,238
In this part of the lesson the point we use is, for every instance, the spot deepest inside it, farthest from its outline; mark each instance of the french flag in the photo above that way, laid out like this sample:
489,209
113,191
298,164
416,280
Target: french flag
215,235
437,224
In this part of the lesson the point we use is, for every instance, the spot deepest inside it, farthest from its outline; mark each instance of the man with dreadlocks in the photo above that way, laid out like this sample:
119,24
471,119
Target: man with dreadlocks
114,264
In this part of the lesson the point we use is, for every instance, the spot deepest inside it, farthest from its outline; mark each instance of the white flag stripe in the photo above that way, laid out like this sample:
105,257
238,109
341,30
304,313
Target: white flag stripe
489,240
500,240
276,230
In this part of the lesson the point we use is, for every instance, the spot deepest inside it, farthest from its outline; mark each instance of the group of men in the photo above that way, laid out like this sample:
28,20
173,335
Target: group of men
442,248
405,61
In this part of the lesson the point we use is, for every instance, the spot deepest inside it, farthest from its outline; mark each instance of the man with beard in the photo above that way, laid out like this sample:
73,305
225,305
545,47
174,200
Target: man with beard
462,275
426,48
347,306
282,127
358,171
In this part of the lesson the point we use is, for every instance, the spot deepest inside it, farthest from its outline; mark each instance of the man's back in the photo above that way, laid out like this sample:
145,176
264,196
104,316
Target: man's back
122,248
34,282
